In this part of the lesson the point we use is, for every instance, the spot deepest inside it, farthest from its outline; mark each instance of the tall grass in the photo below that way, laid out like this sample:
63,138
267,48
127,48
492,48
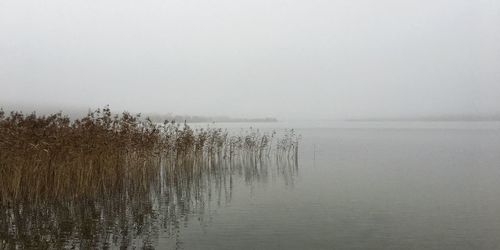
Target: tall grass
106,180
52,158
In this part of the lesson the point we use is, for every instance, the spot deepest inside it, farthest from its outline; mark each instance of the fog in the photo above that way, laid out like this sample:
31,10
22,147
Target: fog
254,58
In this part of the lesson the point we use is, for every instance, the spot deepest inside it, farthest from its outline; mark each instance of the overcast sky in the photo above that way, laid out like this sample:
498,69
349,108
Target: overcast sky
246,58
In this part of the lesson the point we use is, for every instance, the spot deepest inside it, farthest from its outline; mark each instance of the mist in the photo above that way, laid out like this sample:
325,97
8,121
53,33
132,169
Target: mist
286,59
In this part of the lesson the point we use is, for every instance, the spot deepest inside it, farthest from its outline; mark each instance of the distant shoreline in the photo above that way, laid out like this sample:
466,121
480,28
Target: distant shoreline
492,119
202,119
254,121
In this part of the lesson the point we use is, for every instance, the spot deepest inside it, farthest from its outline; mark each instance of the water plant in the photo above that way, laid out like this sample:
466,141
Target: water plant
107,180
53,158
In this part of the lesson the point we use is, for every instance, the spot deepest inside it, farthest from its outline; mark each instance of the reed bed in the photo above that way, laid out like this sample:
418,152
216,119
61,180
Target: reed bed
52,158
185,188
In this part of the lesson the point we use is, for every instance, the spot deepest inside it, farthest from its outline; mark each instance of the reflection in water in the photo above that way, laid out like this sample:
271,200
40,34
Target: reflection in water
137,217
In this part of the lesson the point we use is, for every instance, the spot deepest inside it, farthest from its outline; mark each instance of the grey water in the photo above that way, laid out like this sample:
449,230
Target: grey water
369,185
357,185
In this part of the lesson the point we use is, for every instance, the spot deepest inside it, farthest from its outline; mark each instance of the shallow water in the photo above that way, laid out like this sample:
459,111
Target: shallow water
358,185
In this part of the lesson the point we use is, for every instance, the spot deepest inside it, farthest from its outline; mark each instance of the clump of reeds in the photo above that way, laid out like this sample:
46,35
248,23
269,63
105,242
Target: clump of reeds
47,158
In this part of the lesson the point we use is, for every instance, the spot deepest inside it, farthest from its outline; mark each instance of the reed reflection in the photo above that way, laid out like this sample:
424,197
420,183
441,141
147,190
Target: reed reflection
182,189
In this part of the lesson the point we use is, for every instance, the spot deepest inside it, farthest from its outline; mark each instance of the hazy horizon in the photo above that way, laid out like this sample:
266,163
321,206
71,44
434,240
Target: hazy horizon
285,59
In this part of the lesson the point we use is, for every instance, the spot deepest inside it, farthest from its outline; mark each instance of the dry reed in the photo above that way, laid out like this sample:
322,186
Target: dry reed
51,158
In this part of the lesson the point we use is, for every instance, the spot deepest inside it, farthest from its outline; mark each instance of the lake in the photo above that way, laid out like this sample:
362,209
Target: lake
356,185
370,185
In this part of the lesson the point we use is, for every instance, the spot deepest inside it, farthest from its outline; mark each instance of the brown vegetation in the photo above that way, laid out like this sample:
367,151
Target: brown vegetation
47,158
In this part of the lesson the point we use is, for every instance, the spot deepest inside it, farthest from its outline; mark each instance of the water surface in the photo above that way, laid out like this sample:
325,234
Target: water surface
357,185
372,185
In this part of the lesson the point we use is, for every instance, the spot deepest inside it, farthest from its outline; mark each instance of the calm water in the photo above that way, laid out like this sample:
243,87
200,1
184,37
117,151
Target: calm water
370,186
361,185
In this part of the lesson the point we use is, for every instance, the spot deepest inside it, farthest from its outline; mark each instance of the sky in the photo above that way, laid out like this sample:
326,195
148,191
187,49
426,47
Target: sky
291,59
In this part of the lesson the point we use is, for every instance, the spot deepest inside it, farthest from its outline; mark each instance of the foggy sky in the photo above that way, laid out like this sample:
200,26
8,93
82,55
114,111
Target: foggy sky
288,59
